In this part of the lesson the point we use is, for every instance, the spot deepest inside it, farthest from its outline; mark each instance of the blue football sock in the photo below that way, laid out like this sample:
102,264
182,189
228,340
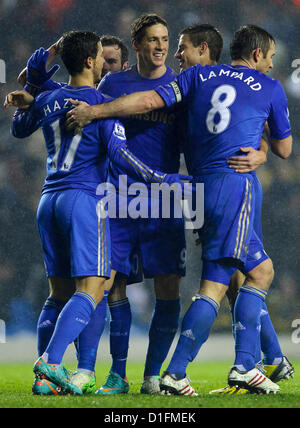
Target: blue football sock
269,340
119,335
88,340
247,312
258,360
195,330
46,322
74,317
162,331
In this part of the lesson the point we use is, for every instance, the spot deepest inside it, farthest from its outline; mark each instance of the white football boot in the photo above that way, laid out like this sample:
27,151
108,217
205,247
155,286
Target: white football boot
171,386
253,380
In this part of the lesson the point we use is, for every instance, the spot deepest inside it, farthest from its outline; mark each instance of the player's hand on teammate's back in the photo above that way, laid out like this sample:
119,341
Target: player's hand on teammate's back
36,73
178,179
250,162
20,99
79,116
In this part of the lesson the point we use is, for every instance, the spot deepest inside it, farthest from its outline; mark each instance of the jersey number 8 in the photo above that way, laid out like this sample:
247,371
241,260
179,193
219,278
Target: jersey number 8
221,99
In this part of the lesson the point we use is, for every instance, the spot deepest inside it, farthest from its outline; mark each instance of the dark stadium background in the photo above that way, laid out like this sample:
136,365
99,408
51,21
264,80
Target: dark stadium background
25,25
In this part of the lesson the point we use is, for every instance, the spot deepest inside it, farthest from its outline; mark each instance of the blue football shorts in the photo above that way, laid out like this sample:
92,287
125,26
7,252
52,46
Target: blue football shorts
156,244
231,234
75,234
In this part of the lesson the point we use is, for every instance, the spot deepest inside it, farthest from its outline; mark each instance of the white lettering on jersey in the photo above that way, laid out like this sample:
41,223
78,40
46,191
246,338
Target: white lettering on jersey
250,81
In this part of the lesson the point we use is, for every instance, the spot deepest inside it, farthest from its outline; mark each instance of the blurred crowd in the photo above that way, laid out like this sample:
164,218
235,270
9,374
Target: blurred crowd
25,25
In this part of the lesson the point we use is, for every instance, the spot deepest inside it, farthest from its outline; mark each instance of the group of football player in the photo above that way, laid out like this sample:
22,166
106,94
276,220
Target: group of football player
216,115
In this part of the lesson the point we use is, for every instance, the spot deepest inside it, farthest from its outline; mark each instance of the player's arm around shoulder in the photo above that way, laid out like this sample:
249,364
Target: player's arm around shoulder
135,103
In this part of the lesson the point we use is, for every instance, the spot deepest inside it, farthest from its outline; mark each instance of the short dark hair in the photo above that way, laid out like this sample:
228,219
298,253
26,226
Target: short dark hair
108,40
205,33
138,27
76,47
248,38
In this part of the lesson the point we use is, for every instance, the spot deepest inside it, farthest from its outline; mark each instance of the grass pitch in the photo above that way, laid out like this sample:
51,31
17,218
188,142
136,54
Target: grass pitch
16,381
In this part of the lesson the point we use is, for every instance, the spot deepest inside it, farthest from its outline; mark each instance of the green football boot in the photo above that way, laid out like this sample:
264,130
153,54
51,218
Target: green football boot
57,374
45,387
114,385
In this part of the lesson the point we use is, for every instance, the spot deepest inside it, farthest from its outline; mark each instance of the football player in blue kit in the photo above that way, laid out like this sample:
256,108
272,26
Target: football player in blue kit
71,216
227,104
200,44
115,54
159,242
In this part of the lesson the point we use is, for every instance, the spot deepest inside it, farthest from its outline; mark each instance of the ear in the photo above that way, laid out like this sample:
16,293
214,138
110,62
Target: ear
256,54
89,62
135,45
203,48
125,65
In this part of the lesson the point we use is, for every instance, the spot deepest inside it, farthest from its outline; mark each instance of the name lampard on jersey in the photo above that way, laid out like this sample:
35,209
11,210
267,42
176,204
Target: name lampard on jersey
250,81
57,105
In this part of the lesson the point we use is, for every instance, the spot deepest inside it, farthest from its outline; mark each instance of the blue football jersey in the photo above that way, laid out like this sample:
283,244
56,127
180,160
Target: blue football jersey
227,109
78,161
151,137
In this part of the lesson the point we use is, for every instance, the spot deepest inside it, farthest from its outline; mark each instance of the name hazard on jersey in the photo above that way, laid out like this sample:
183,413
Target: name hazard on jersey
250,81
57,106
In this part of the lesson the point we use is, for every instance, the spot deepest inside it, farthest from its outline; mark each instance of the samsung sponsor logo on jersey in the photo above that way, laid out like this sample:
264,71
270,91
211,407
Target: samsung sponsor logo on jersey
250,81
156,117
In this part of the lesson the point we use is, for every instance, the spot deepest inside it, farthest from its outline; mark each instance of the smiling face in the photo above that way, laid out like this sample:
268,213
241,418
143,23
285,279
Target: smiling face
187,54
152,50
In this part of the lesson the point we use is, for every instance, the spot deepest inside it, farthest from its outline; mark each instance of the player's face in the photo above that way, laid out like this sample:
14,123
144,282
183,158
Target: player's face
153,49
265,64
187,54
112,57
98,64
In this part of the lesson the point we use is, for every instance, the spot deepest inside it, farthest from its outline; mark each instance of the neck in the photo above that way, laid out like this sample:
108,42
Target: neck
81,80
248,63
150,73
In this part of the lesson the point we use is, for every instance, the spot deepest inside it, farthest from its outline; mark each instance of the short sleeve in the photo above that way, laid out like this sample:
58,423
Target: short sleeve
179,89
278,120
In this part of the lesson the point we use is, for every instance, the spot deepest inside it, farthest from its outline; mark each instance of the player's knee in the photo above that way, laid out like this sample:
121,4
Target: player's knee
118,291
93,285
167,287
236,281
61,289
262,275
